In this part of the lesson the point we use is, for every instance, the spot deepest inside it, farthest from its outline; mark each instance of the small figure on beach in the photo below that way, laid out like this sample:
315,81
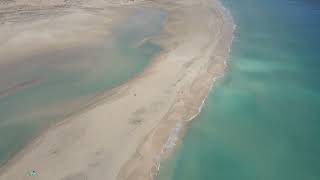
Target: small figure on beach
32,173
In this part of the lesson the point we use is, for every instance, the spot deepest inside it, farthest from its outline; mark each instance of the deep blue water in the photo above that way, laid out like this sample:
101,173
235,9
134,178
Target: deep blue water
262,120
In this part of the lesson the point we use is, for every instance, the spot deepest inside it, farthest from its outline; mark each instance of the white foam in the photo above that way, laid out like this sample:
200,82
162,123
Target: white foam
171,142
175,132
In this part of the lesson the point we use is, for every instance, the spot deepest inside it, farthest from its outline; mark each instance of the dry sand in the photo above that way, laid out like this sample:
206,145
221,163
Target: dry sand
123,137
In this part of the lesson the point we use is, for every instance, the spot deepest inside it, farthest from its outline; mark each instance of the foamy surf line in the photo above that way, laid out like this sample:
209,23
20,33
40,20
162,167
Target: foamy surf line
176,131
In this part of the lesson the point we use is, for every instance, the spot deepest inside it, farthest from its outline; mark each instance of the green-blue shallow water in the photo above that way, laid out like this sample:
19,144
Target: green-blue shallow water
262,121
42,89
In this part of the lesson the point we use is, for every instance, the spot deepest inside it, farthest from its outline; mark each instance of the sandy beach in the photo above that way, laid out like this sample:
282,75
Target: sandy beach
126,133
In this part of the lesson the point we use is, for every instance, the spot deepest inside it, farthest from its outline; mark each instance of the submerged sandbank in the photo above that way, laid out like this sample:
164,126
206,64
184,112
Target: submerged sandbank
123,136
46,86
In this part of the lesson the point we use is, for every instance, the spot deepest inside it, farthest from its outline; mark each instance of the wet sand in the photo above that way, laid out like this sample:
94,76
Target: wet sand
123,136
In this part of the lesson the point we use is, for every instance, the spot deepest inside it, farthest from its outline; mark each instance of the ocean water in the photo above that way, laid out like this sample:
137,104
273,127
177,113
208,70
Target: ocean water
41,90
262,120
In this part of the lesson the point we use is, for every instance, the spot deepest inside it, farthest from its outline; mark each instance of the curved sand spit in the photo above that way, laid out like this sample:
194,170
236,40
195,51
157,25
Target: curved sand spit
123,136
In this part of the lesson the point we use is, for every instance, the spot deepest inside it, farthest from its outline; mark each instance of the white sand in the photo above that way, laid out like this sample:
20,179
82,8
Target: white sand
123,136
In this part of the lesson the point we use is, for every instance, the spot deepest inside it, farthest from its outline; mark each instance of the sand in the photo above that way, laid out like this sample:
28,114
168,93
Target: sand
31,26
125,135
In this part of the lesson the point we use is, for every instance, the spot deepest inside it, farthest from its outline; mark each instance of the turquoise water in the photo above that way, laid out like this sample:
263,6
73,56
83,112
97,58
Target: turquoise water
262,121
42,89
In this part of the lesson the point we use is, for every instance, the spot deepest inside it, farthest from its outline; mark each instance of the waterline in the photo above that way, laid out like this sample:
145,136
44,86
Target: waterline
261,121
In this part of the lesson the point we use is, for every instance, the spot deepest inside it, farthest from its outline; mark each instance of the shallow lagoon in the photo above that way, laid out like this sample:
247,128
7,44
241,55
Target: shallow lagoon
45,88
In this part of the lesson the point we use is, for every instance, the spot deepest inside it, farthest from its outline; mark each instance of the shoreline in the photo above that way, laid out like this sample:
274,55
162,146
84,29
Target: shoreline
149,130
178,130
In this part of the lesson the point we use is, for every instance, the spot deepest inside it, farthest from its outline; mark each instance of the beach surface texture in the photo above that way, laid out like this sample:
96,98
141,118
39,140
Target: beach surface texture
127,132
